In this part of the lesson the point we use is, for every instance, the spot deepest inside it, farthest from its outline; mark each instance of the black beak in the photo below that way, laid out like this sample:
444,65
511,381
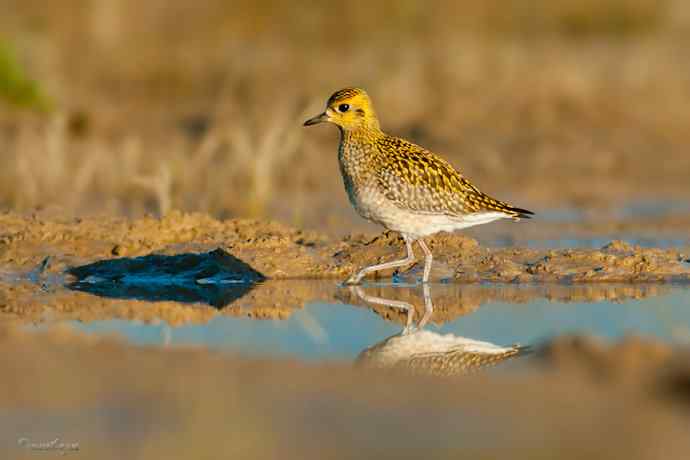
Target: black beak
320,118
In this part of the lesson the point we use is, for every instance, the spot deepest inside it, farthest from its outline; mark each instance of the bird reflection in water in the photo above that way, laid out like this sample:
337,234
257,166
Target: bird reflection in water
421,351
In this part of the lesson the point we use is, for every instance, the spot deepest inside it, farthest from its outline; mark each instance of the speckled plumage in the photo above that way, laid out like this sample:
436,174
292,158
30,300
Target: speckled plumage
430,353
418,351
400,185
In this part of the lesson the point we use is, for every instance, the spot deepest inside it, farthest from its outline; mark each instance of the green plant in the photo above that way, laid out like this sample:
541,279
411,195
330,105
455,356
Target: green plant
16,87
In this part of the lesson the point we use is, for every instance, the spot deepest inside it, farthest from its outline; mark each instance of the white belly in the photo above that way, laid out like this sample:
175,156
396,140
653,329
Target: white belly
375,207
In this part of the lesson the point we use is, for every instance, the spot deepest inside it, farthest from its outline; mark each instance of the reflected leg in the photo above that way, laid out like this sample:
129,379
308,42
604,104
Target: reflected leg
359,292
409,327
428,306
357,278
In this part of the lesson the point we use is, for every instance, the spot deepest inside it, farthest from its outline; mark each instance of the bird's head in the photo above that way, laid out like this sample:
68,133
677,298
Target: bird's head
350,109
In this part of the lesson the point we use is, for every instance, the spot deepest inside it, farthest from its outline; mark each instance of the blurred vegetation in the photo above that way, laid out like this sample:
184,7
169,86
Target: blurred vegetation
581,19
198,105
15,86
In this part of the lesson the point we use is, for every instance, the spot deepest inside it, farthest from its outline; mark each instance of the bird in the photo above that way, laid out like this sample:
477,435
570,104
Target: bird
439,355
400,185
419,351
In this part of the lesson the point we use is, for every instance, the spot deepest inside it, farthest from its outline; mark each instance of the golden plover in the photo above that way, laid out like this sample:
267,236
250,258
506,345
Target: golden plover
400,185
431,353
418,351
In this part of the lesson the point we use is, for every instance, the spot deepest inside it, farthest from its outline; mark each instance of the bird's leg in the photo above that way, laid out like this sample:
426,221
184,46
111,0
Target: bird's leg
428,259
356,278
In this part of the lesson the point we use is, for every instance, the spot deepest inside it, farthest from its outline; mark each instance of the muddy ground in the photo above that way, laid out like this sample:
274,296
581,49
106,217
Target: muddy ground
39,255
278,251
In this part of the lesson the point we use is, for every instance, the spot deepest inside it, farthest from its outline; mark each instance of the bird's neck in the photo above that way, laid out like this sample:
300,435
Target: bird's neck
362,135
357,153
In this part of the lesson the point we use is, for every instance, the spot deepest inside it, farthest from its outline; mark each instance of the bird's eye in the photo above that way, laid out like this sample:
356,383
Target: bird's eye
344,107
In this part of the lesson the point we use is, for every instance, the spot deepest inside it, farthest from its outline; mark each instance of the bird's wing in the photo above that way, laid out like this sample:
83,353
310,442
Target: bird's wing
458,361
416,179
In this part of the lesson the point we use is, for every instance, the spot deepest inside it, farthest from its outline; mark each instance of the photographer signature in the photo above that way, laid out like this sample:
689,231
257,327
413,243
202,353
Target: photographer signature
53,445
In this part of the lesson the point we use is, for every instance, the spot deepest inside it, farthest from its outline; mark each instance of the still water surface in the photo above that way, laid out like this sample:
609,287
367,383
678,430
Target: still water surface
359,318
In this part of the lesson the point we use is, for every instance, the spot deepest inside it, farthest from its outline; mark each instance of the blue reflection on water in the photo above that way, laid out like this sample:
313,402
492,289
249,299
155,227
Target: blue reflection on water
338,331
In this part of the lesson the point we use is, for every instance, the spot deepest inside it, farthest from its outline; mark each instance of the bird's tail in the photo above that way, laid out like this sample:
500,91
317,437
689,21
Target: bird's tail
523,350
519,213
486,203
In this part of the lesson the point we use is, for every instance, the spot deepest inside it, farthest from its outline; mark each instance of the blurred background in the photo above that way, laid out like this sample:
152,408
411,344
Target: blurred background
127,107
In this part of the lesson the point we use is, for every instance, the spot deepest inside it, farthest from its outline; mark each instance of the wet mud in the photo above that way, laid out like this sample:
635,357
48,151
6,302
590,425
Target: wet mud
277,251
50,266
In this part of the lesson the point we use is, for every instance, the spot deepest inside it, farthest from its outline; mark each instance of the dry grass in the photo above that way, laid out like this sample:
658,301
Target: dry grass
162,105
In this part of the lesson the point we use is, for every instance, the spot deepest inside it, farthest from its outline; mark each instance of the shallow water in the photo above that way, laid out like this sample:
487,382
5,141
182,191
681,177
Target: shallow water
325,321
